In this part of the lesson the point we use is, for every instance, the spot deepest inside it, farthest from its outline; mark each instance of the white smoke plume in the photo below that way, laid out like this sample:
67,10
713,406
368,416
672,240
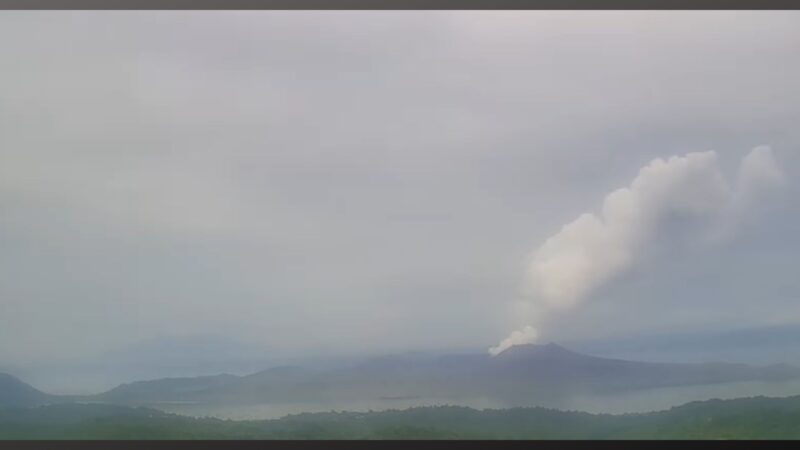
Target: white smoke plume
524,336
594,248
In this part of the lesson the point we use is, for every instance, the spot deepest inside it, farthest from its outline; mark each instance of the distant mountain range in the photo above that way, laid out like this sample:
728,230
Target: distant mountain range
194,355
522,374
525,372
165,356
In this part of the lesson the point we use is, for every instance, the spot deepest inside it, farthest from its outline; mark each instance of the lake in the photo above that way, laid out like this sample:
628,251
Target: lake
627,402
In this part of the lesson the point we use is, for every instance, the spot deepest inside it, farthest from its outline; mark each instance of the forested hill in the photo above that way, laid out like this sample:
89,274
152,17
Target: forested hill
747,418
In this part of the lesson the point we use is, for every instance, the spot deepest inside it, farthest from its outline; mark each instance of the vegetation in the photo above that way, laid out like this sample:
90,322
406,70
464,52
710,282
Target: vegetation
747,418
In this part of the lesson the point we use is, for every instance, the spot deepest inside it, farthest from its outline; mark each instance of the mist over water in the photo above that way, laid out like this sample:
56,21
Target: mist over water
668,397
617,403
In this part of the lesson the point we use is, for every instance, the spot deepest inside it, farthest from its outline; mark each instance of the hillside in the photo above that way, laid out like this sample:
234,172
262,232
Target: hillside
14,392
747,418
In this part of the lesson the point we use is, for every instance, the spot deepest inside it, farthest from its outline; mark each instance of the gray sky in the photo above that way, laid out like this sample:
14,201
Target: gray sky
370,181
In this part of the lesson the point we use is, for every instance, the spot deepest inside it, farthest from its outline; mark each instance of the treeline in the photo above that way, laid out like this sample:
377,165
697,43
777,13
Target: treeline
748,418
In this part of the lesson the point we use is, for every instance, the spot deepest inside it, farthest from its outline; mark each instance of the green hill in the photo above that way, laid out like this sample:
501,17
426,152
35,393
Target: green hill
746,418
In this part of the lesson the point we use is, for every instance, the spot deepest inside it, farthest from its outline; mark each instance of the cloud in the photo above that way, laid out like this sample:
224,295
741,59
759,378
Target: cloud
595,248
252,174
758,172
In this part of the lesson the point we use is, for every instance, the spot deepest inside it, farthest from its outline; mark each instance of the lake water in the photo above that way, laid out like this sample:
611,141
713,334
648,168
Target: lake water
628,402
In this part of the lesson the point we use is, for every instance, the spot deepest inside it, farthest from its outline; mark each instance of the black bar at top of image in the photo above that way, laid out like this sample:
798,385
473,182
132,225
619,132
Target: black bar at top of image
399,4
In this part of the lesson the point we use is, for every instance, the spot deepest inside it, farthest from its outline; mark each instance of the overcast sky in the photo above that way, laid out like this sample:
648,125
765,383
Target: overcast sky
372,181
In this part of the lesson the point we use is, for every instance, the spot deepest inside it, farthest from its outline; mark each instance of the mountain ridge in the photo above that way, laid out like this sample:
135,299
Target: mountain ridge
15,392
527,373
530,371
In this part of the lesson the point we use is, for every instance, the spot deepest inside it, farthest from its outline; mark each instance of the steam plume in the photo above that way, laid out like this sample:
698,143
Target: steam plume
524,336
596,247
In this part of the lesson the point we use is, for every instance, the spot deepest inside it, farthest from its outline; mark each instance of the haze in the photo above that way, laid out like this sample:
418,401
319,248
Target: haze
373,182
